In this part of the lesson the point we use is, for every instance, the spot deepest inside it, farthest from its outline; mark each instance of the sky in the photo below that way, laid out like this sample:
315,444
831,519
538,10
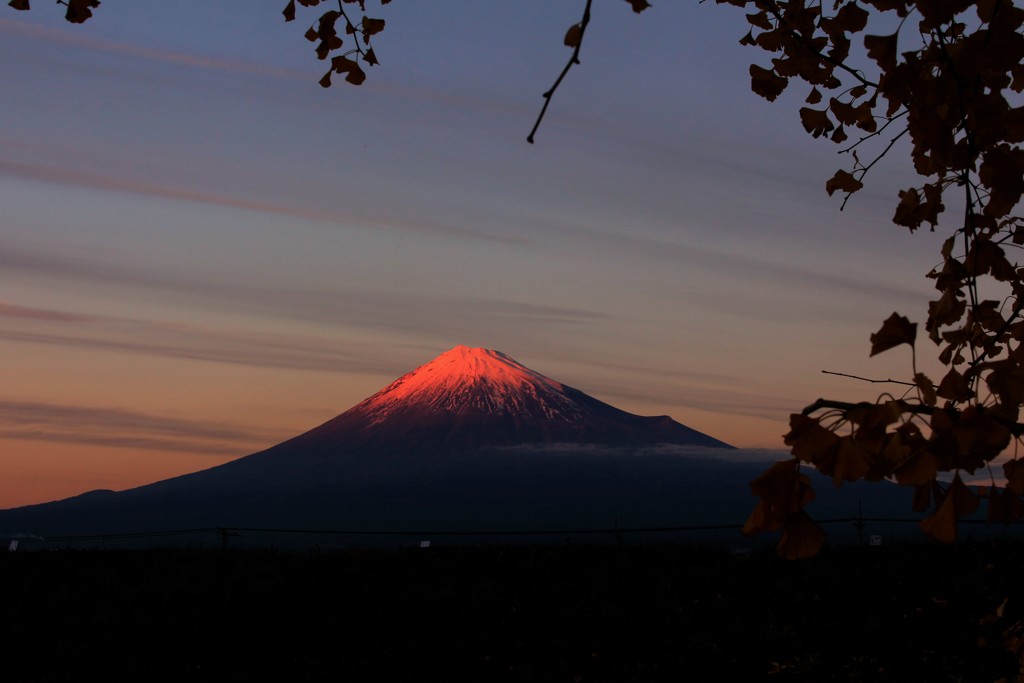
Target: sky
203,252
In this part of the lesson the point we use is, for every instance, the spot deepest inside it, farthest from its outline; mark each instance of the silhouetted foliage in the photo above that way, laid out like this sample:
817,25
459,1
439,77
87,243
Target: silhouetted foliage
324,32
947,76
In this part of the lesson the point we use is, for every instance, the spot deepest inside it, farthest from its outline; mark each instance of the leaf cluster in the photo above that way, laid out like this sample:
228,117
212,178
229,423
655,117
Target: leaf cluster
947,75
324,32
77,11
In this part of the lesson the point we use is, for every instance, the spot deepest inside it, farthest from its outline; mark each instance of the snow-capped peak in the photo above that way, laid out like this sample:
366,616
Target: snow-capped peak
470,398
477,379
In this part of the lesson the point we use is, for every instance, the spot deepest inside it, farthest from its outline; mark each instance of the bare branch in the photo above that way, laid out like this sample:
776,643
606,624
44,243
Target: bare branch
888,122
574,59
864,170
865,379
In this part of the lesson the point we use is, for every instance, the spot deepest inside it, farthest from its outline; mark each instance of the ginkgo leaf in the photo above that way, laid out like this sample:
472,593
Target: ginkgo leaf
842,181
918,470
908,211
947,309
371,27
765,83
19,4
958,502
851,17
289,12
896,330
760,20
639,5
783,491
777,480
79,10
355,75
816,121
954,387
573,35
801,537
979,437
882,49
965,502
986,9
852,462
757,521
941,525
342,64
926,388
810,442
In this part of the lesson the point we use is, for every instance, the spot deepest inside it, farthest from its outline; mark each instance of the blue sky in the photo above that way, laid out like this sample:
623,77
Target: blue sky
203,252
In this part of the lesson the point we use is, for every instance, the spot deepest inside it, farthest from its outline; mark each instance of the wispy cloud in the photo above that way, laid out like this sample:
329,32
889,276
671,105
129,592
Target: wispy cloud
9,310
738,401
741,266
77,39
460,316
123,428
97,180
239,351
133,442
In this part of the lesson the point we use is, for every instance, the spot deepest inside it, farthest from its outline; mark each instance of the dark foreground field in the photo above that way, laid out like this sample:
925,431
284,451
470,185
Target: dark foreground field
594,613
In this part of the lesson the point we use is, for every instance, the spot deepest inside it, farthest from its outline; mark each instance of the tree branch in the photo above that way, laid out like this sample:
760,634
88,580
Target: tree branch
888,122
865,379
355,30
574,59
864,170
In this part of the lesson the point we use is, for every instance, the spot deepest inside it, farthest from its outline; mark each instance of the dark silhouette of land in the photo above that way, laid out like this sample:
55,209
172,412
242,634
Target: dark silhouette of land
513,613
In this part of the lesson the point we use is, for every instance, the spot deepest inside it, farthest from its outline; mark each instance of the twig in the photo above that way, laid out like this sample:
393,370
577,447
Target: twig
575,59
864,170
865,379
1017,309
355,30
888,122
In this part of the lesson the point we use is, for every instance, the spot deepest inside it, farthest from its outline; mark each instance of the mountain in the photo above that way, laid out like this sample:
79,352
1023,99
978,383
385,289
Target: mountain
472,440
470,398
